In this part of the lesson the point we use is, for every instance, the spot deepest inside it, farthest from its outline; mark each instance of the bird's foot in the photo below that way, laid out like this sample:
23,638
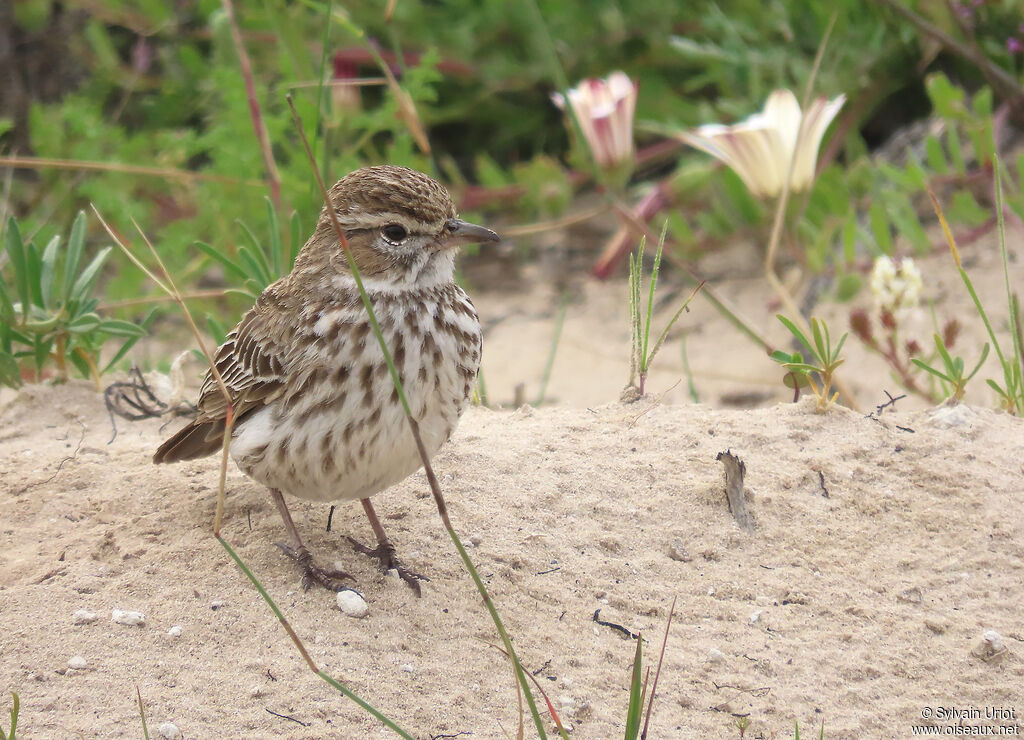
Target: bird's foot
388,558
329,578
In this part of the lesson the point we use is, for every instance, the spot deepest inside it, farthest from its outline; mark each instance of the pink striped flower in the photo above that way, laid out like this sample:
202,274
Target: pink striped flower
605,108
759,148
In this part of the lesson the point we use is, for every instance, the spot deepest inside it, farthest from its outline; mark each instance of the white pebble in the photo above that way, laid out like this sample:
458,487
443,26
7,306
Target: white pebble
754,616
83,616
256,692
567,702
175,631
132,619
78,663
994,640
352,603
169,731
408,668
715,655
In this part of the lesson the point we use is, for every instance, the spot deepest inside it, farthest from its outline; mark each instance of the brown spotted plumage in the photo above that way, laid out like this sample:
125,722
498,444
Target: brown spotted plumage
316,412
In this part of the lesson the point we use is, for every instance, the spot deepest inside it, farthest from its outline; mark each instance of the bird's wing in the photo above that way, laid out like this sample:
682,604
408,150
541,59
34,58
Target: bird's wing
250,361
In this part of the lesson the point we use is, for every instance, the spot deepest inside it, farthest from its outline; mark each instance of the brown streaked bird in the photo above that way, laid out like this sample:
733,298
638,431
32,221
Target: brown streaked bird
317,415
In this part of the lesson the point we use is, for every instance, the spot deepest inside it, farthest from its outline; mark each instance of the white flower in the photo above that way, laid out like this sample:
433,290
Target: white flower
604,109
759,148
896,285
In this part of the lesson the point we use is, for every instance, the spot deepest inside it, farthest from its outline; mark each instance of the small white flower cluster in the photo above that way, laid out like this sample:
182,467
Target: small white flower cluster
896,284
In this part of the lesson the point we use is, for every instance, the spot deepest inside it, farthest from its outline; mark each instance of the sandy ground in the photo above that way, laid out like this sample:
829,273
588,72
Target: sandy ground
884,549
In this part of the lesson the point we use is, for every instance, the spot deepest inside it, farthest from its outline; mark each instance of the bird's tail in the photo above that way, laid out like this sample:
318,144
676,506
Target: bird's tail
197,439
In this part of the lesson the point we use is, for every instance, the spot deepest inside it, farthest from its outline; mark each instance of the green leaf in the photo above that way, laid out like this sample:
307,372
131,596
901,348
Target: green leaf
34,266
276,249
223,259
848,287
879,223
48,276
76,243
84,323
143,327
6,306
10,374
936,157
635,709
117,327
16,252
928,368
795,332
984,354
84,284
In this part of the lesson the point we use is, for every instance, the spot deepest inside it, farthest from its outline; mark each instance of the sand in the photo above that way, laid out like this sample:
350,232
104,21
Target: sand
884,548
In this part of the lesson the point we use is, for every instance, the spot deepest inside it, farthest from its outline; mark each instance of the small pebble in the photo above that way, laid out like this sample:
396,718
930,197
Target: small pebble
169,731
677,551
715,655
83,616
352,603
215,605
567,702
938,626
78,663
990,647
754,616
175,631
132,619
408,668
475,540
257,692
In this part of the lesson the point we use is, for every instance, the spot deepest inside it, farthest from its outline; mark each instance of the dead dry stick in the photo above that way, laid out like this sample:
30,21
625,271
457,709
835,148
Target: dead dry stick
735,471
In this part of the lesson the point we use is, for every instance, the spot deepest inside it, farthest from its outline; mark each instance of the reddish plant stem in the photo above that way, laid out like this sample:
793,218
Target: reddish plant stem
273,178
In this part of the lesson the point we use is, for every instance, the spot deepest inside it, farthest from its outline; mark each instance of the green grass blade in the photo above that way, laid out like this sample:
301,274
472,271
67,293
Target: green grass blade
552,351
650,293
275,238
280,616
636,703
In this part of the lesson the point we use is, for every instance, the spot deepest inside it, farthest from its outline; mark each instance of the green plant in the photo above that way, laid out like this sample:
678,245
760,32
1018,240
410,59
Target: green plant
50,313
9,735
954,369
642,353
824,360
257,264
1011,392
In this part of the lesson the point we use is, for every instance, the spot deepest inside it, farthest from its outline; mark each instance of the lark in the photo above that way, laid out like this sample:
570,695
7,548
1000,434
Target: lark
317,414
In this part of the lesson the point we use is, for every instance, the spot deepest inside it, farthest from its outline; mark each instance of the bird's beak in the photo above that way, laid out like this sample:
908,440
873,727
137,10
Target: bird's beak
459,232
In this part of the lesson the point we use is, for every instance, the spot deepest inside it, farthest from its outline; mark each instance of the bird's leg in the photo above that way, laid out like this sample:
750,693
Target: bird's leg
311,572
385,551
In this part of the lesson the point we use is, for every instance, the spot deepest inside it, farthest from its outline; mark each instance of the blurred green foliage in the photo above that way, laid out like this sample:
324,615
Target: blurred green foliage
159,86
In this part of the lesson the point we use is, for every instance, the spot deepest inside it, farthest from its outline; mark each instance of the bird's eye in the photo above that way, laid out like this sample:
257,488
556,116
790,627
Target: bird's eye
394,233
